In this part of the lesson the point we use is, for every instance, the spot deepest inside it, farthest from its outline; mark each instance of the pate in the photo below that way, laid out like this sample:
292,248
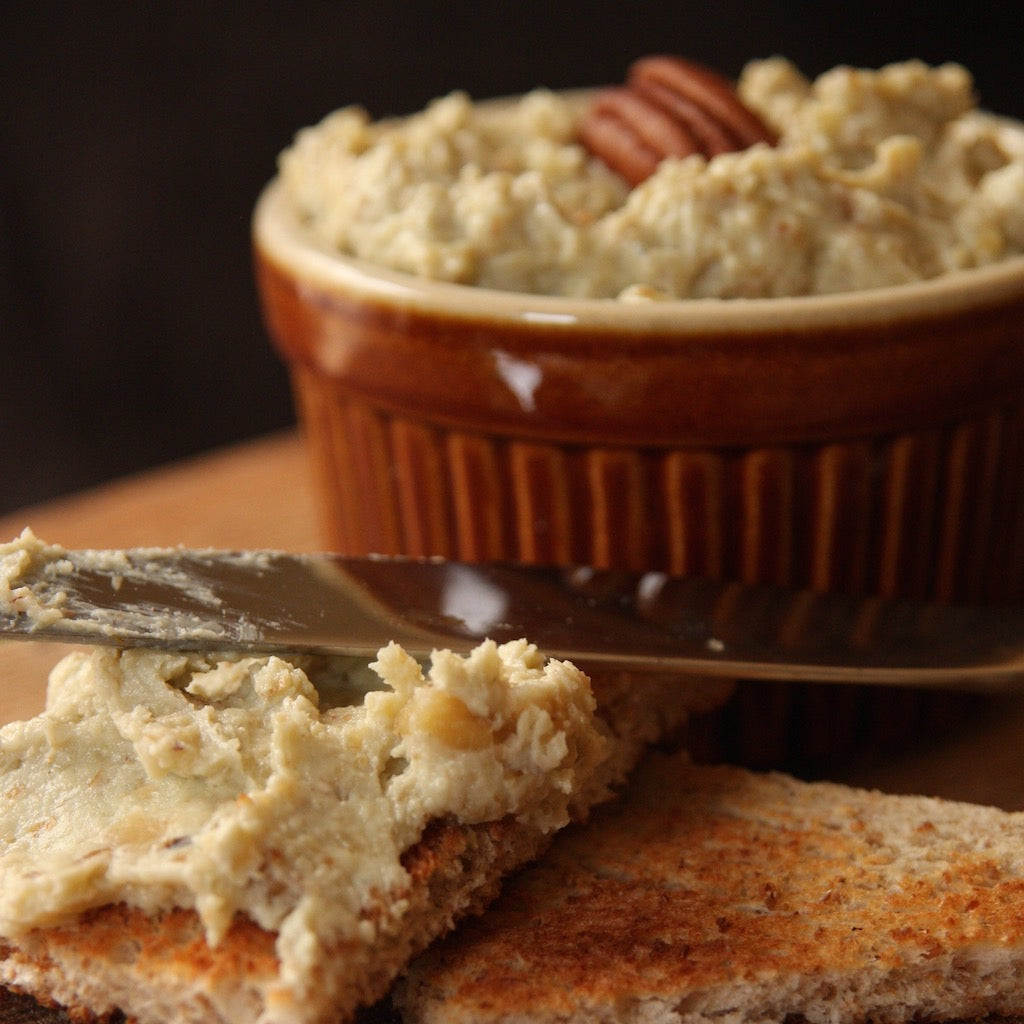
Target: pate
16,559
880,177
228,785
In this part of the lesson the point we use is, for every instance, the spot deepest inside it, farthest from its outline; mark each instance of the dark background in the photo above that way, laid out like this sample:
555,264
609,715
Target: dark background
134,139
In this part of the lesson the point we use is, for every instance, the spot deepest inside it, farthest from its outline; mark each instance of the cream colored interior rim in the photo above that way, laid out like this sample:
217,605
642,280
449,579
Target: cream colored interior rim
280,234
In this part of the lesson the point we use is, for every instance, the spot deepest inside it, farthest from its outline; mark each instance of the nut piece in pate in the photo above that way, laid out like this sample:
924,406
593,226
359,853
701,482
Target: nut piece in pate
879,177
229,785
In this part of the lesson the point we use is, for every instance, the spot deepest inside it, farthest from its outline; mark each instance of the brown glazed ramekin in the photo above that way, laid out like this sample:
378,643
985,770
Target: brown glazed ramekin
870,442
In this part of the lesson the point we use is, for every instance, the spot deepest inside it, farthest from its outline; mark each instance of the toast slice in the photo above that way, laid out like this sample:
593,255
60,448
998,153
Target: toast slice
716,894
478,763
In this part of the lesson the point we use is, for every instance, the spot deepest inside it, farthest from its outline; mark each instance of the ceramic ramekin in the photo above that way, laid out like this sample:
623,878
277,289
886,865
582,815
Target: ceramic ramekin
871,442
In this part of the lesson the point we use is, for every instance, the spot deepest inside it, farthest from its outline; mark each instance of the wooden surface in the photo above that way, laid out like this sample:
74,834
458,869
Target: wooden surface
258,495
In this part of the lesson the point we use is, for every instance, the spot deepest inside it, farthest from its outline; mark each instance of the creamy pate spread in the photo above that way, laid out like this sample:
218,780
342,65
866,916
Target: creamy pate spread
880,177
230,784
16,560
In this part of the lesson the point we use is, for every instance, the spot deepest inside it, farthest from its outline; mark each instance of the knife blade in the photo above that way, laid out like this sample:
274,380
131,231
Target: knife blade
279,602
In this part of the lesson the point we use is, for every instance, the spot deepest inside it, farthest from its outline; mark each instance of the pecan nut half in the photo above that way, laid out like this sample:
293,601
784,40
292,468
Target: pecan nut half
669,107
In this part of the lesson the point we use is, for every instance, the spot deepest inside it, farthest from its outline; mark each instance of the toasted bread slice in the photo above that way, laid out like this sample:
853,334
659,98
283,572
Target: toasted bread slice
161,966
716,894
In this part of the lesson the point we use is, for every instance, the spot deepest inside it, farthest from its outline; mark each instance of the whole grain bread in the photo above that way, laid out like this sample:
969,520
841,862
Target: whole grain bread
160,969
716,894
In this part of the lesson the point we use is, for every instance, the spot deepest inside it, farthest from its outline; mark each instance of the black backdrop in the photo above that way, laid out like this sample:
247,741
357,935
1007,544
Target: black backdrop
134,138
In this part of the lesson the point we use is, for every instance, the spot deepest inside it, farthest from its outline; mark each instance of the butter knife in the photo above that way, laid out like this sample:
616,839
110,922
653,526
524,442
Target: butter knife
277,602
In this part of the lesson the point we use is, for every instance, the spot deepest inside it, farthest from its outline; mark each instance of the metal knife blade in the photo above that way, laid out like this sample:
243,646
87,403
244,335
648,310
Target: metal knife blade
276,602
